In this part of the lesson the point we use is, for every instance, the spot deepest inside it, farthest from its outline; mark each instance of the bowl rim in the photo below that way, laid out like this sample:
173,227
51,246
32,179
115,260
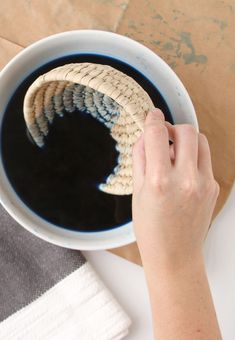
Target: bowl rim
25,218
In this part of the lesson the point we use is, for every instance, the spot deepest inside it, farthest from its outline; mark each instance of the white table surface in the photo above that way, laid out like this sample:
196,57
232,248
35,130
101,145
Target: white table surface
127,282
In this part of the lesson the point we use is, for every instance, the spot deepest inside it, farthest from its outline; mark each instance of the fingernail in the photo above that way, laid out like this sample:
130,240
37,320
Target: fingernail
157,113
169,124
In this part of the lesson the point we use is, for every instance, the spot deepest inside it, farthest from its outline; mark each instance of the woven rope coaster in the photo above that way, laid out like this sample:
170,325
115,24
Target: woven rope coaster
110,96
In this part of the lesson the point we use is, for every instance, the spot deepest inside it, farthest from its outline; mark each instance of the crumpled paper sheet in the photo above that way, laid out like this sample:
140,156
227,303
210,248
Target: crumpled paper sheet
7,51
25,21
195,38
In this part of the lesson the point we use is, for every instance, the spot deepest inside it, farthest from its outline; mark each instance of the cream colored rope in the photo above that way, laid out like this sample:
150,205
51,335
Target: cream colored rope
109,95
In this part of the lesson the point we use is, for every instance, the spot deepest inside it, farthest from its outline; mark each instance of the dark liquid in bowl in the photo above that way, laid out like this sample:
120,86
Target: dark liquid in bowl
60,181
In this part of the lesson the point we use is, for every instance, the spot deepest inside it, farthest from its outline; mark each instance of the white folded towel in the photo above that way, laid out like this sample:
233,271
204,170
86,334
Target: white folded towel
79,307
51,293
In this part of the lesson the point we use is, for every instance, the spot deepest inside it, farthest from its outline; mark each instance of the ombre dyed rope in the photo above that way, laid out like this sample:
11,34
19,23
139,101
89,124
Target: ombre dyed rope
110,96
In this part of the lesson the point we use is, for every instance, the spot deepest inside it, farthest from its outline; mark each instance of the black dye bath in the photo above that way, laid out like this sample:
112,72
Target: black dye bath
60,182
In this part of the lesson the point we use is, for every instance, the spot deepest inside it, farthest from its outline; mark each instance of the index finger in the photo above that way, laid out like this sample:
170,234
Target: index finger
156,141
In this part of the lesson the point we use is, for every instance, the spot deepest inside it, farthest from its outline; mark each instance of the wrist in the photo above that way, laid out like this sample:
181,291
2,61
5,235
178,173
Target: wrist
165,265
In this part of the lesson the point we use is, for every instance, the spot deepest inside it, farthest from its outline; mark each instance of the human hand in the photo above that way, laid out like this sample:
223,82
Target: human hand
174,192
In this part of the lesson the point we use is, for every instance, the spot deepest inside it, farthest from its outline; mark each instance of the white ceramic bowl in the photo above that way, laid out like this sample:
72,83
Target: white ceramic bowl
74,42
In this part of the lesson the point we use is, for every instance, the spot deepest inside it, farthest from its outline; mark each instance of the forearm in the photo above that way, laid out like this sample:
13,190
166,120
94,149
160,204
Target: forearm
174,194
182,306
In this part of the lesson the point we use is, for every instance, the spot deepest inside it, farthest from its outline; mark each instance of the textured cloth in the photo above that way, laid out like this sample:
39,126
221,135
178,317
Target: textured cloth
48,292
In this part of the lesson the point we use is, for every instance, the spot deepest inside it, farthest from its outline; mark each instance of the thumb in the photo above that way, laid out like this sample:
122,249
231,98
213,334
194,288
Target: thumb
138,164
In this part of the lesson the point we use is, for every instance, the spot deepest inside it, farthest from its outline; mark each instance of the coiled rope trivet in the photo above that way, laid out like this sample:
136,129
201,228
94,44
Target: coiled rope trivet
109,95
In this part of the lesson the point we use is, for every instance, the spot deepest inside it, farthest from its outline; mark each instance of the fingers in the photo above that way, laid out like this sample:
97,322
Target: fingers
156,143
186,146
204,156
170,129
152,155
138,163
190,148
